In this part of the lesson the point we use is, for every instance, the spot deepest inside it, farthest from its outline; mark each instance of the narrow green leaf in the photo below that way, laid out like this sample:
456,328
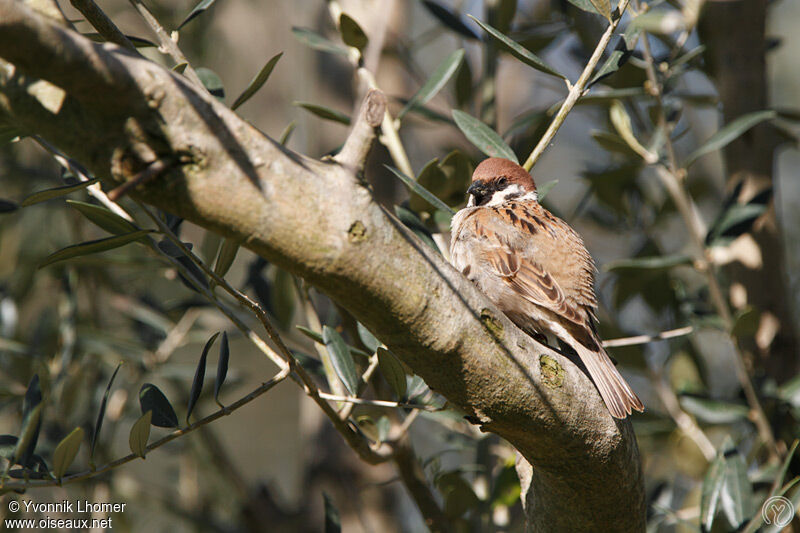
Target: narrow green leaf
545,188
352,34
196,10
93,247
518,51
483,137
316,337
324,112
140,433
65,452
412,222
318,42
286,133
617,58
736,220
649,263
714,411
28,436
56,192
8,444
199,377
222,366
592,6
736,498
152,399
333,523
226,256
392,371
367,338
746,322
729,133
212,82
450,19
420,190
712,489
435,83
180,68
383,425
622,123
257,82
103,217
341,359
463,84
283,297
102,413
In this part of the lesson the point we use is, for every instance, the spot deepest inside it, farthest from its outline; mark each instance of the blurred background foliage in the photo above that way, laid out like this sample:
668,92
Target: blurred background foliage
721,119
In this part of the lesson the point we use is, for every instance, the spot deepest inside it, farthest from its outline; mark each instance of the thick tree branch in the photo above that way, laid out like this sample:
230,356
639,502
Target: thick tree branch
317,220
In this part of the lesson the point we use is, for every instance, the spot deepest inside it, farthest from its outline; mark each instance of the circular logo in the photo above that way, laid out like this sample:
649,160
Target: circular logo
777,511
13,506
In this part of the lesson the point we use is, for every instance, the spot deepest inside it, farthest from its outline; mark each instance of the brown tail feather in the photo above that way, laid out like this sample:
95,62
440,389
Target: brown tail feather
615,391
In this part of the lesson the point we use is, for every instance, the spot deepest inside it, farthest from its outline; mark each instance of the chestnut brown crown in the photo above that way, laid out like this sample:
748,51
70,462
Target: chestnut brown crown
495,168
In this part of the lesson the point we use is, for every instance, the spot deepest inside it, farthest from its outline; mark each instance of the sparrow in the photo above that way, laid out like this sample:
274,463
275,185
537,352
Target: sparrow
534,268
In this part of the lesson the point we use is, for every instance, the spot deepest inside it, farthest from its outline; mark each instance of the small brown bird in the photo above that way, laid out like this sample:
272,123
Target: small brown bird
535,268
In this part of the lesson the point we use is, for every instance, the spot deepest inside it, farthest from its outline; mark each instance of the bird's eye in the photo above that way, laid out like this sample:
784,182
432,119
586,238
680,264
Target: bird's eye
502,182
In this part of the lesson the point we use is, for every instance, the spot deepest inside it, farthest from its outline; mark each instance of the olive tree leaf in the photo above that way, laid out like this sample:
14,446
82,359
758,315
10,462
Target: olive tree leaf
518,51
196,10
421,191
140,433
324,112
450,19
222,366
483,137
152,399
257,82
368,338
199,377
333,524
65,452
729,133
56,192
712,489
103,217
318,42
93,247
226,256
392,371
435,82
8,206
341,359
352,34
102,412
212,82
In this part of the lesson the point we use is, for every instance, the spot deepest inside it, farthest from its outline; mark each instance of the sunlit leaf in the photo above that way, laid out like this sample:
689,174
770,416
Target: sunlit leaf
257,82
324,112
341,359
412,222
352,34
286,133
736,220
421,191
622,123
65,452
140,433
55,192
436,82
712,489
545,188
103,218
736,498
729,133
152,399
368,338
93,247
196,10
714,411
518,51
483,137
599,7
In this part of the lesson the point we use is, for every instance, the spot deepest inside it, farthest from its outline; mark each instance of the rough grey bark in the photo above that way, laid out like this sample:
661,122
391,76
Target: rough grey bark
317,219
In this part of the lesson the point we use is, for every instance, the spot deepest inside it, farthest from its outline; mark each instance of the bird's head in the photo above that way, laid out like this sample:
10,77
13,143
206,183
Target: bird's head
497,181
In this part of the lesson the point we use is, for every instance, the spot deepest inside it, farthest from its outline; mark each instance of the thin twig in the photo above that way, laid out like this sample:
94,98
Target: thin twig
167,43
280,376
576,91
644,339
104,25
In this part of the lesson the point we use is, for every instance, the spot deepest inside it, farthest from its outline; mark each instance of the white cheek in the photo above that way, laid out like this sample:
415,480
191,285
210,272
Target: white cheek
471,201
